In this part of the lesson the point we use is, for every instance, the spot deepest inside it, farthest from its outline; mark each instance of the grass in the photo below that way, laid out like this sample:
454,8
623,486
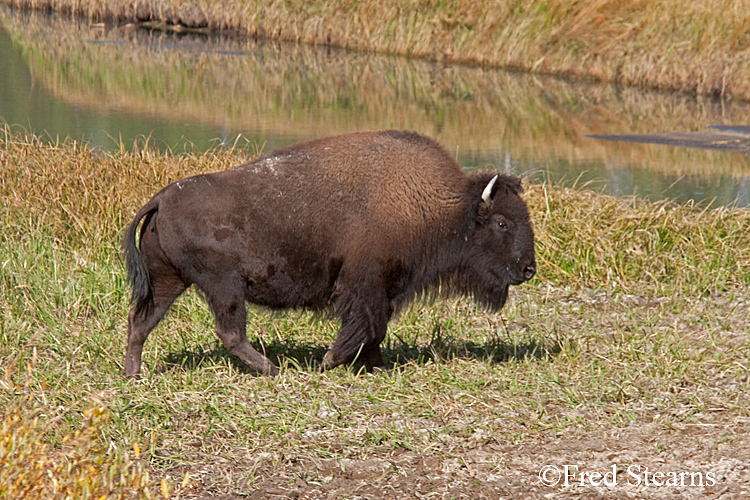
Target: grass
632,244
637,323
701,48
75,467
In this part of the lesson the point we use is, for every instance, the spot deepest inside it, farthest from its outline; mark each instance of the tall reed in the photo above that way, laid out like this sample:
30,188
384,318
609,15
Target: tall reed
700,47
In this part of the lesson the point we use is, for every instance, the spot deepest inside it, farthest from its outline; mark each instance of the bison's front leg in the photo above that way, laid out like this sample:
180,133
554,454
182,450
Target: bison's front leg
364,322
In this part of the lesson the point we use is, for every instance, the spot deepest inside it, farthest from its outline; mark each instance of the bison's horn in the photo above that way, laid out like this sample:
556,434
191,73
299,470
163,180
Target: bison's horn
487,193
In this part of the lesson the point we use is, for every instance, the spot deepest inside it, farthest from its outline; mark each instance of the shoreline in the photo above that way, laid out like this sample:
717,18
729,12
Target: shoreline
667,44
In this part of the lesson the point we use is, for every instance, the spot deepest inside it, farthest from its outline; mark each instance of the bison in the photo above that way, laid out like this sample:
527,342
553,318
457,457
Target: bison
357,225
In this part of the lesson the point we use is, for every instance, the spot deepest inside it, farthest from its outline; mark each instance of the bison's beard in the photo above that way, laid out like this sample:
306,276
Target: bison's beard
491,294
493,300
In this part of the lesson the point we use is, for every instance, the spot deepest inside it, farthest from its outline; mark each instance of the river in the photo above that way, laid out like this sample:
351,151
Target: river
120,87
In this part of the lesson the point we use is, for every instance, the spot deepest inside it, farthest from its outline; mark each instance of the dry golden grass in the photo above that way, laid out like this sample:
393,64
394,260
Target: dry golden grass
701,47
78,467
589,240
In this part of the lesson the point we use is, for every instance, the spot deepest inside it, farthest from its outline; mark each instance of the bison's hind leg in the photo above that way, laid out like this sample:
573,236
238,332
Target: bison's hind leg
227,301
166,285
141,323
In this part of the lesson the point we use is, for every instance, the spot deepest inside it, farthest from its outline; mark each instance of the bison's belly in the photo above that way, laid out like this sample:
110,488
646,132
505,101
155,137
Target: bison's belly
287,285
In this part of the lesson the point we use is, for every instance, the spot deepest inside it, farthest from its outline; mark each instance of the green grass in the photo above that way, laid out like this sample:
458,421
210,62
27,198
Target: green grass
639,314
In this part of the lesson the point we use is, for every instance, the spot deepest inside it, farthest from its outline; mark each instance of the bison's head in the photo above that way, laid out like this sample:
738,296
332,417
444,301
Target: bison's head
501,242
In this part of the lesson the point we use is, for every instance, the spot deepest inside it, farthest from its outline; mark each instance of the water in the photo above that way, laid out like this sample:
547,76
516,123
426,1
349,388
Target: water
114,87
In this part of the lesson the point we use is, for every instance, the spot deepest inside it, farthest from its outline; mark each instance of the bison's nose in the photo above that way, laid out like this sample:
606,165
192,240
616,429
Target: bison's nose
529,272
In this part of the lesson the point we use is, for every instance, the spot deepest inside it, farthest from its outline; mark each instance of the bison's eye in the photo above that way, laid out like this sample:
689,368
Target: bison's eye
501,223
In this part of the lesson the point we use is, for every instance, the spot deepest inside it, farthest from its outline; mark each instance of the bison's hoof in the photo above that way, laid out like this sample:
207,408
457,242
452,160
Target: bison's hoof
328,362
271,371
266,368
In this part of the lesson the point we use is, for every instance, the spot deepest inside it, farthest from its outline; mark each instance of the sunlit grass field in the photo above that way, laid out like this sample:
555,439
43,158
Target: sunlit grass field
639,314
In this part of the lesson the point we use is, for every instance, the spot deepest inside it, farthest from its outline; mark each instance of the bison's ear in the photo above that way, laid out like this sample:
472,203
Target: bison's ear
492,189
514,183
483,191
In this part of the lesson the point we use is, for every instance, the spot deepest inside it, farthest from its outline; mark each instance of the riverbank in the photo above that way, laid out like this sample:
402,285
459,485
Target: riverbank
695,47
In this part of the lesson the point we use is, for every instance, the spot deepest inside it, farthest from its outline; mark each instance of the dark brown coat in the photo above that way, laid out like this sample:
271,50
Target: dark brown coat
359,224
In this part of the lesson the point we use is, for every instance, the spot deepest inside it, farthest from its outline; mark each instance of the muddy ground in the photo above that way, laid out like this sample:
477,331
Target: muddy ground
648,460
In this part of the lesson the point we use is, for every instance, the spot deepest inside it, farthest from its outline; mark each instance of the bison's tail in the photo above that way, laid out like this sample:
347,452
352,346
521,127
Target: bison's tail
142,293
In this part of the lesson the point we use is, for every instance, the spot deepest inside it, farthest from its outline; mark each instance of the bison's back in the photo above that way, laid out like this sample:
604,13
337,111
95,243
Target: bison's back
389,178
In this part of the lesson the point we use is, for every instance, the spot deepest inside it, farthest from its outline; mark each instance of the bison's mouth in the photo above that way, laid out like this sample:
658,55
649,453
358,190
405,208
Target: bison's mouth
496,294
521,276
505,279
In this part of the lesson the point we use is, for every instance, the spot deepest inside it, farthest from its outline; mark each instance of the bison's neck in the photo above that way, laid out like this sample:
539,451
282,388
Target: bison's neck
437,258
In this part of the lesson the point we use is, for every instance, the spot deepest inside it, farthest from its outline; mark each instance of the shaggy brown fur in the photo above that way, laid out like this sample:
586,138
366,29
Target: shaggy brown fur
358,223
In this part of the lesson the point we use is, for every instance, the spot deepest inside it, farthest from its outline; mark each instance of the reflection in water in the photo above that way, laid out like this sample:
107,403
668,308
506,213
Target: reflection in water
107,84
724,138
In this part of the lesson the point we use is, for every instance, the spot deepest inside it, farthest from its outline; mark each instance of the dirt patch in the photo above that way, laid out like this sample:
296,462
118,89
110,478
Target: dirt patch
705,459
